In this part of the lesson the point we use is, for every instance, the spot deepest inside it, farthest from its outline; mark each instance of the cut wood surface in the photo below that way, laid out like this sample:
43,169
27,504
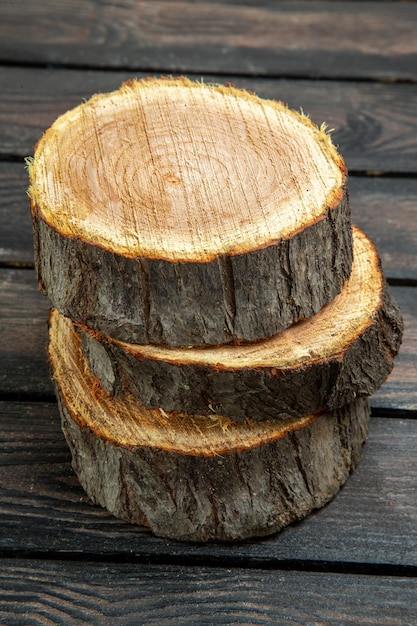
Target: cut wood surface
63,592
235,225
345,351
337,39
190,477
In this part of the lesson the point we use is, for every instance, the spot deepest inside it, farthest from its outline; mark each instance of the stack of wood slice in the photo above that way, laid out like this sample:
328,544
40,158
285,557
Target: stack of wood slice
218,326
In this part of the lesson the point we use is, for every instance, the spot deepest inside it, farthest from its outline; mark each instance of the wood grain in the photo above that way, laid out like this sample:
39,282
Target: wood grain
373,519
350,39
386,209
375,123
375,203
23,335
100,593
16,239
44,510
399,391
171,147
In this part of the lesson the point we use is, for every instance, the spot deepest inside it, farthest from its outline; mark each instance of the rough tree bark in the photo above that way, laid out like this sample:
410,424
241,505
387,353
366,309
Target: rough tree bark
191,478
175,213
344,352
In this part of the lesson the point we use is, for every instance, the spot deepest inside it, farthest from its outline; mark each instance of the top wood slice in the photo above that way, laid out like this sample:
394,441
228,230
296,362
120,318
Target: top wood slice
172,212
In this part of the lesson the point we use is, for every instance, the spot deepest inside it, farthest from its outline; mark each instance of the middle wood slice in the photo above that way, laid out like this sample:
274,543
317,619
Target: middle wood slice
343,352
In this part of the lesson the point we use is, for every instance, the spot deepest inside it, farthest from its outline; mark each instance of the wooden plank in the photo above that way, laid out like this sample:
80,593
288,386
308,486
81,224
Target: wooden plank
61,592
400,390
385,208
44,510
16,241
23,337
320,39
375,124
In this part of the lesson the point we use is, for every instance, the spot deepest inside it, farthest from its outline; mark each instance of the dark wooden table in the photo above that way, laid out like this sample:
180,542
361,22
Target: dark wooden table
352,65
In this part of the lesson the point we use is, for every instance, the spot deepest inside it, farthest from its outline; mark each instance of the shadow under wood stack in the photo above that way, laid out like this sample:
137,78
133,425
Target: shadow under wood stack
217,329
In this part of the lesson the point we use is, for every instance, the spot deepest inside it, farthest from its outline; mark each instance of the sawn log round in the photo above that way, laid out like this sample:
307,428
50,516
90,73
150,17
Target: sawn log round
176,213
345,351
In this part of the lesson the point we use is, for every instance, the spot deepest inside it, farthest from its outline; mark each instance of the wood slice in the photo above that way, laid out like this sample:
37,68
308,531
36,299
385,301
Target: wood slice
176,213
190,477
345,351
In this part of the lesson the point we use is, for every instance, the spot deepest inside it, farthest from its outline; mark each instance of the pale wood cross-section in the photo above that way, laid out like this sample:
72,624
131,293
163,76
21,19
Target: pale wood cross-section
343,352
191,477
178,213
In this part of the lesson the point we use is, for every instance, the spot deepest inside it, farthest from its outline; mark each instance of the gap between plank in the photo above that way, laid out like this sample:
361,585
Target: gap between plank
170,72
330,567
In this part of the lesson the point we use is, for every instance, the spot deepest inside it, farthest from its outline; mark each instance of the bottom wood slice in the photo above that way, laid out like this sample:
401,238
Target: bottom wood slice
194,477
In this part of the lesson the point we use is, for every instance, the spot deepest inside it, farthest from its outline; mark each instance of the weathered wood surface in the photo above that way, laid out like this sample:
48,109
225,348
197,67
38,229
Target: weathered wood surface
374,122
386,209
230,299
44,510
324,39
373,202
390,396
371,523
243,494
16,239
63,592
23,335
